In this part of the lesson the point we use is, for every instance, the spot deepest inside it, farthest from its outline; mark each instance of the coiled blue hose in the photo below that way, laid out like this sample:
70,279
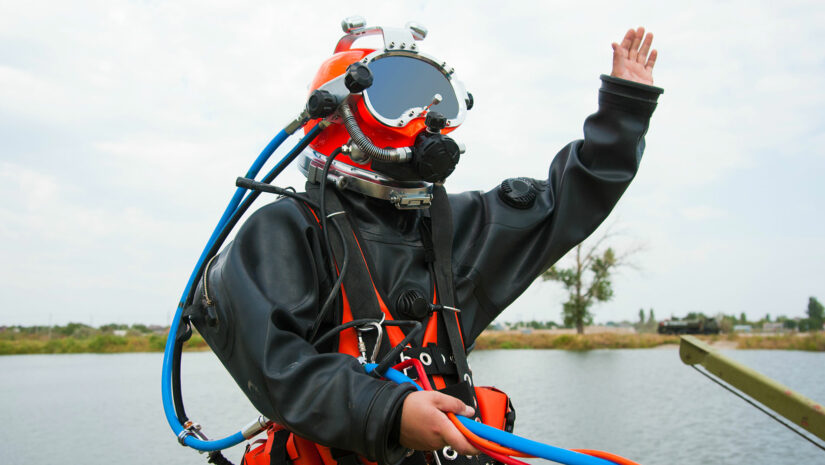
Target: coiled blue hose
504,438
166,378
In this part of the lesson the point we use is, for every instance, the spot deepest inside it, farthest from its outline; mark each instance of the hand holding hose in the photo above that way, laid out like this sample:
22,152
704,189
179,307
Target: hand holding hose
425,426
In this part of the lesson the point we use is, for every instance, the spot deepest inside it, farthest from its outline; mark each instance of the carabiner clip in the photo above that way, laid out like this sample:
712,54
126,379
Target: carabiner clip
362,346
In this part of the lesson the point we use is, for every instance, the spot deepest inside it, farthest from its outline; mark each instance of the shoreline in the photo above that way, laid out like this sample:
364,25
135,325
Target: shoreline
611,338
628,339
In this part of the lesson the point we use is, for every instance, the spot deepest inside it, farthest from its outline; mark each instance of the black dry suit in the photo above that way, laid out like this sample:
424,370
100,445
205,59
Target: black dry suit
267,286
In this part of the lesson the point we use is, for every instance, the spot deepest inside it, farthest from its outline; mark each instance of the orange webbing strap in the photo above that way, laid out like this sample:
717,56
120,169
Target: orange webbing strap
431,337
394,332
282,447
492,405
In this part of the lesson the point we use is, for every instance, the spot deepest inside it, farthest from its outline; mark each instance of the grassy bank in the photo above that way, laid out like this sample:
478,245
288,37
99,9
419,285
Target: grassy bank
545,340
813,342
98,344
14,344
548,340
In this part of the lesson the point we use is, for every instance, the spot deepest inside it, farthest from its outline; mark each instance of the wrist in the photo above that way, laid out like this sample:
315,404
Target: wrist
629,95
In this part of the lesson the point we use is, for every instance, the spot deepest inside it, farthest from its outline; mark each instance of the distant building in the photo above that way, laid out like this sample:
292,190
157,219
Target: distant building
742,328
773,327
119,332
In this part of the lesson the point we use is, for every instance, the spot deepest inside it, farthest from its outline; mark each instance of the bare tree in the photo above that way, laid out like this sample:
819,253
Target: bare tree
587,281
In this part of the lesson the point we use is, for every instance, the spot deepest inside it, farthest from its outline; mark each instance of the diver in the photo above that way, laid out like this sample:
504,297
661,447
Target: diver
376,263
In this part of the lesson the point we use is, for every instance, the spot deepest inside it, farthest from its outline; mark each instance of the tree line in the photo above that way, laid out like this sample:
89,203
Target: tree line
588,281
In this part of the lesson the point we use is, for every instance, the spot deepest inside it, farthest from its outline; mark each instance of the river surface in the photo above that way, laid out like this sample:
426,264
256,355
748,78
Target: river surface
643,404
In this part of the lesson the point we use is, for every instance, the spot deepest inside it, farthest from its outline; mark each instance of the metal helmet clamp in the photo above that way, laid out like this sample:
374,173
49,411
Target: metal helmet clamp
389,111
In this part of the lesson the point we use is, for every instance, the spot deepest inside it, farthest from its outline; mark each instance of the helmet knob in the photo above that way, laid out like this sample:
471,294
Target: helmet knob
358,77
435,121
321,104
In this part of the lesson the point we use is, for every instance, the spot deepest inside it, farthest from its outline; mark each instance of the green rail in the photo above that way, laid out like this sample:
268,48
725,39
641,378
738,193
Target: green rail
781,399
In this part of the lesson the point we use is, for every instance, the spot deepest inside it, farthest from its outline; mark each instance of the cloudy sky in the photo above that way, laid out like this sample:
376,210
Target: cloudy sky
123,125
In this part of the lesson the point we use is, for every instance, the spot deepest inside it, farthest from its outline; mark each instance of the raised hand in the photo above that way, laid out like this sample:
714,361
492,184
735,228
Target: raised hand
630,58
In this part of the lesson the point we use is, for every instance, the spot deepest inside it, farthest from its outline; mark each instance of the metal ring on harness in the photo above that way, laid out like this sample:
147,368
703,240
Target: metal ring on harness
449,453
425,358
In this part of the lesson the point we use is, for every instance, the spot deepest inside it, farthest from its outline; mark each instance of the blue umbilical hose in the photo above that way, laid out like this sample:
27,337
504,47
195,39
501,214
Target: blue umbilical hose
504,438
166,378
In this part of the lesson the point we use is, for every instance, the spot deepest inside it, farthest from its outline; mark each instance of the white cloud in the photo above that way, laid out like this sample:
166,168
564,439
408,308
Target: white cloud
124,125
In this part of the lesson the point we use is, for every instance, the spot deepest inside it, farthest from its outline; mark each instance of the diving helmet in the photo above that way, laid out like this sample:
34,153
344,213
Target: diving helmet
389,111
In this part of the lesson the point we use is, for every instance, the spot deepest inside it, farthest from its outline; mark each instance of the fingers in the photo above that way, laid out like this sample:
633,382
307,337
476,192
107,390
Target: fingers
637,40
457,441
645,48
628,39
424,426
651,60
447,403
618,51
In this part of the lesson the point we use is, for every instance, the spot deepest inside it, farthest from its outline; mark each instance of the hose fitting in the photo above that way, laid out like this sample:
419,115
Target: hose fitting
399,155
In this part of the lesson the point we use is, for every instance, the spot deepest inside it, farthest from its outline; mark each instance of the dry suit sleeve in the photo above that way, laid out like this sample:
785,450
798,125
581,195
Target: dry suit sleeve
265,291
500,249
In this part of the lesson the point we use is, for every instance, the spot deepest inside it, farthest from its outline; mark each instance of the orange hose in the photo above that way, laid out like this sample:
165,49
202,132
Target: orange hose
495,447
477,440
618,459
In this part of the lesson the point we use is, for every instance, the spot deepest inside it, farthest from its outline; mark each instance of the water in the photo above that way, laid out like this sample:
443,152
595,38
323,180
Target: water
643,404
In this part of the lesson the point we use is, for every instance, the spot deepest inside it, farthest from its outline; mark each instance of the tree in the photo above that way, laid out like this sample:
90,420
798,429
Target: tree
650,317
815,313
581,293
743,318
641,316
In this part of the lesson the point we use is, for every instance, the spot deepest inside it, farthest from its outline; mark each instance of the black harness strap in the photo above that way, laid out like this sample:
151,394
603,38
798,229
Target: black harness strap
278,454
361,292
442,240
357,281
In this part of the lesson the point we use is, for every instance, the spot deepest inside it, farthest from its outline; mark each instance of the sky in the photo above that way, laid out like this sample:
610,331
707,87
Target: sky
123,125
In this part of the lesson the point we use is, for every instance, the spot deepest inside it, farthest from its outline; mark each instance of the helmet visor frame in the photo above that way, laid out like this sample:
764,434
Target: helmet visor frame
404,84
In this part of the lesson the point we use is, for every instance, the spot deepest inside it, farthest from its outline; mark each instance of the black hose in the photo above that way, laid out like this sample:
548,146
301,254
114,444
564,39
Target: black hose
333,270
177,397
218,459
239,212
254,185
247,202
363,142
388,359
332,332
333,293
